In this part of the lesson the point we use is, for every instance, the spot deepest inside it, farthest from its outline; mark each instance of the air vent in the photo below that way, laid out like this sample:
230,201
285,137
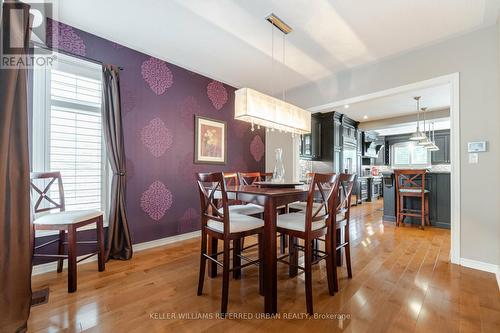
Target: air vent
279,23
40,297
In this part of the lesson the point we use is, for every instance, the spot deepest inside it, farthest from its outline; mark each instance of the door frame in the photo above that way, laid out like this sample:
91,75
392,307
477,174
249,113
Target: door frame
454,82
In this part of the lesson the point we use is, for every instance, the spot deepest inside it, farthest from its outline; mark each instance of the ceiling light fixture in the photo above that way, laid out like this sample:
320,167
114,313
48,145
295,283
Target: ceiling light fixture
346,106
263,110
365,117
425,142
418,135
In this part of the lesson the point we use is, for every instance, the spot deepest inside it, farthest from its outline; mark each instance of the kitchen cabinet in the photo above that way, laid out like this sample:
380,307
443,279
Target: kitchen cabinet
441,156
439,186
310,144
363,188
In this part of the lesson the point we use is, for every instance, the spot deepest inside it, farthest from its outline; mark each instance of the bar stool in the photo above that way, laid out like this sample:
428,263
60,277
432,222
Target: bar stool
411,183
64,222
309,226
222,224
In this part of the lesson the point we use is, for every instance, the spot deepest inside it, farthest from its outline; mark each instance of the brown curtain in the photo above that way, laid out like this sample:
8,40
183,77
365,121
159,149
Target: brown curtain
15,240
119,244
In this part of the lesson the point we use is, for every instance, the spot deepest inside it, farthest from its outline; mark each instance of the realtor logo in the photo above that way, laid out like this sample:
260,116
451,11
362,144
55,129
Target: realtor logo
15,18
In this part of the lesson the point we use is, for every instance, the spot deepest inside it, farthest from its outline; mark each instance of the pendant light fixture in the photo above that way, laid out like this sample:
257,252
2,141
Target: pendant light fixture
425,142
418,135
434,147
273,113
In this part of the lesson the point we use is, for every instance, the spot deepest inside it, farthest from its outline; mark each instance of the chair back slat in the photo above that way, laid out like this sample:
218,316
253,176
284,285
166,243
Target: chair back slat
323,189
248,178
413,179
231,178
346,185
212,189
43,194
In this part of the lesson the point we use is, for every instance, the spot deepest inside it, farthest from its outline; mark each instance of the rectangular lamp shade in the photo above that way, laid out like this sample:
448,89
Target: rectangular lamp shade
260,109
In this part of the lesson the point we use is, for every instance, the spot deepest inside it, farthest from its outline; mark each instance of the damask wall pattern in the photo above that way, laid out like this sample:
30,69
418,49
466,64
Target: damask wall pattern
159,101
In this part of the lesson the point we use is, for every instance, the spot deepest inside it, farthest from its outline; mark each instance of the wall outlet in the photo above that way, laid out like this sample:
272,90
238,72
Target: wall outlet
473,158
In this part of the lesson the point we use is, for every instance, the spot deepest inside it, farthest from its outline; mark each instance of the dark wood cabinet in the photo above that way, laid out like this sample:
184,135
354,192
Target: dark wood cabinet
439,188
441,156
310,144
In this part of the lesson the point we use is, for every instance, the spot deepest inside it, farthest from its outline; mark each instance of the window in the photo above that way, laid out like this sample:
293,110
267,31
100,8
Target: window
410,154
67,131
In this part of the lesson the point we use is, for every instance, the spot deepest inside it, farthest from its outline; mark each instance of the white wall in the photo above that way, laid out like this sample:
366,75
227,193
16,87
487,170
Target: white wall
475,56
275,139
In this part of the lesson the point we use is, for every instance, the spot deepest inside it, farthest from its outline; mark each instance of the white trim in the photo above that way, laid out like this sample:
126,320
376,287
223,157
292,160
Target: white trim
498,277
165,241
454,81
479,265
52,266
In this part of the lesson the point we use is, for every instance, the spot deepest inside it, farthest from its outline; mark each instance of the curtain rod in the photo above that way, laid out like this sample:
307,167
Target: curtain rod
45,47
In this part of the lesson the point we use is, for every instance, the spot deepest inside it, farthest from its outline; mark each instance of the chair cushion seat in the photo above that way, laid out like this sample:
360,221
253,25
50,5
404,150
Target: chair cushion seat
237,223
69,217
409,190
302,205
248,209
297,221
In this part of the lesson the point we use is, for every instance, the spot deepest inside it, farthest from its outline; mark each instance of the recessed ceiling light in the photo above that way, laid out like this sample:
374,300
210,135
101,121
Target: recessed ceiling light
365,117
346,106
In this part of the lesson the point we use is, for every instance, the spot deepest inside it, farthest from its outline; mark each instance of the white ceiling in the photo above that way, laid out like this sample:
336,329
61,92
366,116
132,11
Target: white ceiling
433,98
438,124
230,40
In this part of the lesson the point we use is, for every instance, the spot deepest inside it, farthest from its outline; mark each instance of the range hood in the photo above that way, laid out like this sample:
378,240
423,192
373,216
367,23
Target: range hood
372,143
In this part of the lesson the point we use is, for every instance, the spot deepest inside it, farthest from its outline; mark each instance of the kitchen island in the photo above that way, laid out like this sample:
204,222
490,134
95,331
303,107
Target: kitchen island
438,184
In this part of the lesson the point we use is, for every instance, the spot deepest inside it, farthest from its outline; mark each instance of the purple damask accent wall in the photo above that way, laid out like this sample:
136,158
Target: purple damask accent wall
159,101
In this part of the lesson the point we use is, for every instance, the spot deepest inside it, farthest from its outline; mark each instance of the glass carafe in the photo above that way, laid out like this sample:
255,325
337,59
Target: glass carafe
279,168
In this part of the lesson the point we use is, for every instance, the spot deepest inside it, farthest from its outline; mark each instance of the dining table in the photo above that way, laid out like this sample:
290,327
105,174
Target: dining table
270,198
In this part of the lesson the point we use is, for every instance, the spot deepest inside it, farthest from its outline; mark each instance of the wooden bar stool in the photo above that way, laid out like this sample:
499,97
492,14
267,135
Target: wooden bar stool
222,224
342,218
411,183
65,222
315,223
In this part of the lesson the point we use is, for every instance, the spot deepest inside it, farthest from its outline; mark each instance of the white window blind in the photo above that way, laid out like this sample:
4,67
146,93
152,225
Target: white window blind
72,131
410,154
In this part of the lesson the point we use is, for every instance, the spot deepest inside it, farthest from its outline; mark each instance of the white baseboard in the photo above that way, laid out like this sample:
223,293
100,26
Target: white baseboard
482,266
52,266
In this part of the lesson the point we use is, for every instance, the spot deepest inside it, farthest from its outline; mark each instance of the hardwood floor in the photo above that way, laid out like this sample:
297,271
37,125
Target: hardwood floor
402,282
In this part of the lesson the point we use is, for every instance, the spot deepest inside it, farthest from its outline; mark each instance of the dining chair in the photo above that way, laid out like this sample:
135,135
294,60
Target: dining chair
236,206
227,226
66,222
315,223
249,178
342,219
411,183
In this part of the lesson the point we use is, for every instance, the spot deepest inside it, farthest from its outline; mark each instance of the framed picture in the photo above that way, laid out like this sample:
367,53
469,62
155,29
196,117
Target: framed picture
210,141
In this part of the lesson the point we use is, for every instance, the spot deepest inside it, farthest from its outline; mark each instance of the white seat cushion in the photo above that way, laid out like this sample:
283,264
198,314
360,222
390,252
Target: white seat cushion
302,205
70,217
297,221
248,209
237,223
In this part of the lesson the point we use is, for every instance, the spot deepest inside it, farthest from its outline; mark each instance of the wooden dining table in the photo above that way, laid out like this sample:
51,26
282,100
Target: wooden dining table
270,199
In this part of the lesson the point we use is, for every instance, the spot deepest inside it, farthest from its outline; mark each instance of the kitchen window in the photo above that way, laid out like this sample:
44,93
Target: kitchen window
67,131
410,154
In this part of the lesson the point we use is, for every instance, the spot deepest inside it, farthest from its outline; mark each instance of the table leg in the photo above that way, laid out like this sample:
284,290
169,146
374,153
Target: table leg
270,264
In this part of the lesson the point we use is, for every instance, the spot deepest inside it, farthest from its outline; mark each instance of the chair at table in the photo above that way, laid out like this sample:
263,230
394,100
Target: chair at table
411,183
342,218
64,222
223,224
315,223
248,178
232,179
